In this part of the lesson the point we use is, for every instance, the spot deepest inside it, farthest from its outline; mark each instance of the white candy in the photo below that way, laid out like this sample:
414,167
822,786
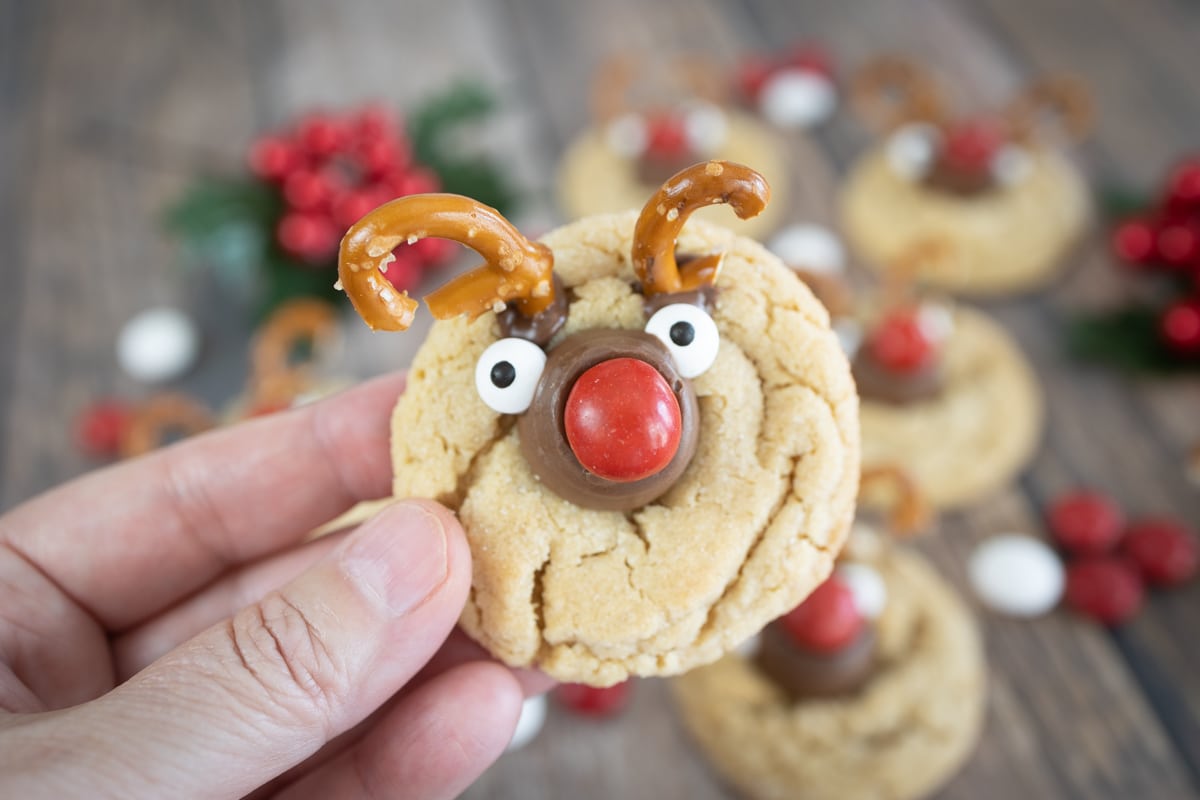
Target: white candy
626,135
158,345
849,333
529,724
809,247
797,98
911,150
1016,575
749,646
867,586
706,128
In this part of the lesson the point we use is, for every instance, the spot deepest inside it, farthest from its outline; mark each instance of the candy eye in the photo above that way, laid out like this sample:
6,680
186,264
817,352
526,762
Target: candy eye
689,334
911,150
627,135
705,127
507,374
1010,165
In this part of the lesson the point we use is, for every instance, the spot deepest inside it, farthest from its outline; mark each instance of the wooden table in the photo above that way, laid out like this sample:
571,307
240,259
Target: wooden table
107,110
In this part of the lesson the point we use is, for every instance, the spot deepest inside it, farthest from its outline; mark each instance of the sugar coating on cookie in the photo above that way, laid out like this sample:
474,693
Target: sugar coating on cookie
977,433
751,527
1008,240
900,736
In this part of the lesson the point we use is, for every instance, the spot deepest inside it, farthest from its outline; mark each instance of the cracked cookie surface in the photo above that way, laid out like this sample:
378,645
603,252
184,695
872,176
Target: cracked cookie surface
748,531
900,736
1002,242
977,433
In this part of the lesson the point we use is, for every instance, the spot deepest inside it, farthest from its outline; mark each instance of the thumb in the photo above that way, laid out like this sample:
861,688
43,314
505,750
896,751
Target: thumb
259,693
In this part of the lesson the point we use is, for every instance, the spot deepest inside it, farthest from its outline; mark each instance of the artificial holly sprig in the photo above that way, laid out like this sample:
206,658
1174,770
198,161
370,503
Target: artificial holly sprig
273,232
1160,241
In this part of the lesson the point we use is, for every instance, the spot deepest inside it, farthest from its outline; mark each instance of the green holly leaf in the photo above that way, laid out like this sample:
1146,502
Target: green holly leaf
1127,338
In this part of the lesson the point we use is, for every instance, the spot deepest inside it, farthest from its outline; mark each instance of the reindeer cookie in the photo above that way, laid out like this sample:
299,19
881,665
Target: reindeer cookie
873,687
946,393
652,118
649,433
992,187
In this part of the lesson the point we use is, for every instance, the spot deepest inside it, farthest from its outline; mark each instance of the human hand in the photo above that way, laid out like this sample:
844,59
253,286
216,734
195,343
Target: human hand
164,631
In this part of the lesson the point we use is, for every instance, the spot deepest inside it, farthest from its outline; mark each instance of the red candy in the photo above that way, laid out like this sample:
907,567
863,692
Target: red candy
1180,326
1085,523
1106,589
753,74
665,136
827,620
622,420
100,428
969,147
593,702
900,344
1165,551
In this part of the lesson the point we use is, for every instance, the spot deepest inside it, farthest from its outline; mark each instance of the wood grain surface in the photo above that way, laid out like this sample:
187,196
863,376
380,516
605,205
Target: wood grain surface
108,109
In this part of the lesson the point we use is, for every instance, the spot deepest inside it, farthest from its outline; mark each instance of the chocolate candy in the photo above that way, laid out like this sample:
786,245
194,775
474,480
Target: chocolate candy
875,382
541,428
803,674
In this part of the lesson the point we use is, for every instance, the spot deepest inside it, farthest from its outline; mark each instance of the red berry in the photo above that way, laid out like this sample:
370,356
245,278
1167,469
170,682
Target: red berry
591,701
1180,327
1085,523
310,237
352,206
969,147
379,156
272,158
101,426
320,135
1106,589
899,343
1134,241
622,420
827,620
1178,244
1183,187
665,136
753,74
1164,550
309,190
406,271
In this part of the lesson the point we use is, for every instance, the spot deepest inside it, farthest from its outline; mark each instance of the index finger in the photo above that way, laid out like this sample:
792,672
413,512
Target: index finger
132,539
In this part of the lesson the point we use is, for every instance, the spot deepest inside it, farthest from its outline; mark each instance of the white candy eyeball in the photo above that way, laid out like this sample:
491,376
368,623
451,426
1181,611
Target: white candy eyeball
507,374
705,127
849,332
690,335
809,247
627,136
1016,575
866,586
1011,165
797,98
911,150
935,321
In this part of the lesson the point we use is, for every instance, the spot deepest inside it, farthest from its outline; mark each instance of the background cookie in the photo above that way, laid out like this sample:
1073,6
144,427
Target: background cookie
752,526
900,736
1002,242
977,434
593,179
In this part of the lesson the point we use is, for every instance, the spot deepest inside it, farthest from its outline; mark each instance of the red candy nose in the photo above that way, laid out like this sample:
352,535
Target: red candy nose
622,420
970,146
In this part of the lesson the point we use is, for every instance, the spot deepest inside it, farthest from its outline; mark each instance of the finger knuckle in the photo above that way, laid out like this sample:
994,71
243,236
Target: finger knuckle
287,655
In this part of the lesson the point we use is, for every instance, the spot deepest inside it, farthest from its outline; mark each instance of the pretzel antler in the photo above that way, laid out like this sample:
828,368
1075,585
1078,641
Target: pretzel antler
697,186
910,512
1057,100
516,269
610,86
891,91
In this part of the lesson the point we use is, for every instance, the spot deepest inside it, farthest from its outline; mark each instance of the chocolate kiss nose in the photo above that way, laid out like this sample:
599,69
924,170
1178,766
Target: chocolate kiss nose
622,420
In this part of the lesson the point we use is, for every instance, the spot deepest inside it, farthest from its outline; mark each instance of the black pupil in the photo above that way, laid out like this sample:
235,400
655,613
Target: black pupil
503,374
682,333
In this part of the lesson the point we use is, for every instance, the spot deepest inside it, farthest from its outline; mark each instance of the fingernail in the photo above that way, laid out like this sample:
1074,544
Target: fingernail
399,557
